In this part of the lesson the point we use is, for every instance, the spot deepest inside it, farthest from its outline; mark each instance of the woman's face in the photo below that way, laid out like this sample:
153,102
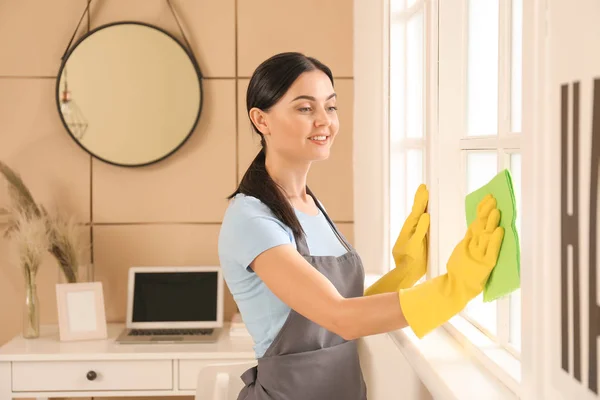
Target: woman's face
303,124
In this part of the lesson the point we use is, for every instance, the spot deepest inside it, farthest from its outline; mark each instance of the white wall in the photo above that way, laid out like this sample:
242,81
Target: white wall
564,43
387,373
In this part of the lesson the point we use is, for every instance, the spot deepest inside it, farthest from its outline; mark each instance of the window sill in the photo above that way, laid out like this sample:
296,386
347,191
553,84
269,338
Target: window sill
499,361
447,369
458,362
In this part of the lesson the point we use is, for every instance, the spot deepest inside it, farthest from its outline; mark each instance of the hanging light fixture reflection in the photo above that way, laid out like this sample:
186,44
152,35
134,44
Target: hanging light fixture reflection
72,115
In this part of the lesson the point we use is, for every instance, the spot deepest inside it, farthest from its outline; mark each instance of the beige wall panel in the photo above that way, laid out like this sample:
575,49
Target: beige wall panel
321,29
119,247
34,143
208,25
34,35
347,229
189,186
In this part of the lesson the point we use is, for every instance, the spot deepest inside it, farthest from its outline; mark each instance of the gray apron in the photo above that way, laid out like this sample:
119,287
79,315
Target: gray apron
306,361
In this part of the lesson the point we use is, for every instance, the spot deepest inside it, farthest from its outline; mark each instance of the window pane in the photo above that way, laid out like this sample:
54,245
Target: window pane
515,298
481,167
397,194
515,319
397,5
411,2
397,125
397,84
406,174
414,76
515,172
483,313
414,176
517,58
482,76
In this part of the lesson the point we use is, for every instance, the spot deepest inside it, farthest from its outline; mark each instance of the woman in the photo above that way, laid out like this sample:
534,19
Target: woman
296,280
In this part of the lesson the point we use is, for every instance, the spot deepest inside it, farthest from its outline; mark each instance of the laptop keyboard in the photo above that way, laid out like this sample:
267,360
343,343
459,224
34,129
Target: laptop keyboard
169,332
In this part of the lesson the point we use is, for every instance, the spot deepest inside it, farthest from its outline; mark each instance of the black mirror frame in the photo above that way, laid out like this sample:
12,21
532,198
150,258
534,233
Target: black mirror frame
188,52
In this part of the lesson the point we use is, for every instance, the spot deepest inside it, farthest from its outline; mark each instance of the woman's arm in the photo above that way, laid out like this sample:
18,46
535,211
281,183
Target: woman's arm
299,285
425,306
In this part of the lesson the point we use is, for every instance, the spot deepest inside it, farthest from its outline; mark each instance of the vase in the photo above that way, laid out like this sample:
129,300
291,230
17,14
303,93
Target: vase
84,273
31,313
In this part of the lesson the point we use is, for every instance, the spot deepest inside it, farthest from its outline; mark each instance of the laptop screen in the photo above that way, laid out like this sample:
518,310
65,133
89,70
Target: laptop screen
189,296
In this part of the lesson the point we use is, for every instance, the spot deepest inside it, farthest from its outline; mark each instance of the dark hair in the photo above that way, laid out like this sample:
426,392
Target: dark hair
269,83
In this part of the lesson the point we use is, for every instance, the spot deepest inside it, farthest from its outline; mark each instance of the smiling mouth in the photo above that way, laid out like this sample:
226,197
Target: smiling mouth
318,138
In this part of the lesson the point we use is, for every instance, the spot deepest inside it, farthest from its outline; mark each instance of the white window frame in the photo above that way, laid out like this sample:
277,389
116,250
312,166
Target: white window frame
370,131
371,158
371,134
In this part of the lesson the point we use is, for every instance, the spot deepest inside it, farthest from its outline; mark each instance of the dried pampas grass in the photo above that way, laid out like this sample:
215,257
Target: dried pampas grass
66,244
19,193
26,217
30,239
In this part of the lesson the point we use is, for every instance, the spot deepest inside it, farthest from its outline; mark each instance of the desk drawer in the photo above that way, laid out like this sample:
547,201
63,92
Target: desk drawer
189,369
103,375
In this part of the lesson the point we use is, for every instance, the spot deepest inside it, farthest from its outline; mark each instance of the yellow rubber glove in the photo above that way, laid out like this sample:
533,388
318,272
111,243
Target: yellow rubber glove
432,303
409,251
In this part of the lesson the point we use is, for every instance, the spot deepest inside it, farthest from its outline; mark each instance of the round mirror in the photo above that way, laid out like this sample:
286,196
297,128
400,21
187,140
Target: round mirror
129,93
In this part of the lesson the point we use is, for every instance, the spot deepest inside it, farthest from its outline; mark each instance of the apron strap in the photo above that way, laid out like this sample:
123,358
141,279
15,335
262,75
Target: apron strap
302,246
341,237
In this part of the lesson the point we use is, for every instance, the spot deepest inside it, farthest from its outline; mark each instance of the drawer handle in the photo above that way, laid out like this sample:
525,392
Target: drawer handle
91,375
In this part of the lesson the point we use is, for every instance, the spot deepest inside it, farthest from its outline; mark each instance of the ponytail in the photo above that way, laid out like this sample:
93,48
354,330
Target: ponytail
257,183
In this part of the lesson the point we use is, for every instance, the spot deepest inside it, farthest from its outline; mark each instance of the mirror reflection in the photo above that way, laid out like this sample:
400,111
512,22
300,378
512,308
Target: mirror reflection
129,94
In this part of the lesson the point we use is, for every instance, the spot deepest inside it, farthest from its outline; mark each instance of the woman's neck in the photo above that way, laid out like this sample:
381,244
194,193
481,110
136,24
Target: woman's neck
289,176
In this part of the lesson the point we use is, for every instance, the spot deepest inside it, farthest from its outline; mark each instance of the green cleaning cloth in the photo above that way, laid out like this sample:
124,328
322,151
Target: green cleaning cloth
505,277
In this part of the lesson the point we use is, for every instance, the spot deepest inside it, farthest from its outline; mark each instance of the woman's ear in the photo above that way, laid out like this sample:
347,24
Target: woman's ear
259,119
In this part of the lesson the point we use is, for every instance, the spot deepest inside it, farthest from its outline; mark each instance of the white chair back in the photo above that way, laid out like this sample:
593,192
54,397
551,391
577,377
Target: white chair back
221,381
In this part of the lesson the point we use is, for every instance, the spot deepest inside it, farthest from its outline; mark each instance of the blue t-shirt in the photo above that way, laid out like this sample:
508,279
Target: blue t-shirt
248,229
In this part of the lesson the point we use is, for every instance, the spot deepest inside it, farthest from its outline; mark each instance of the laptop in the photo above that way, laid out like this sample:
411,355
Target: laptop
173,305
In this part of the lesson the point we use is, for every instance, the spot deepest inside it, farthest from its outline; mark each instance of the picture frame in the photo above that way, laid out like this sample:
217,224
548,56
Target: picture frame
81,311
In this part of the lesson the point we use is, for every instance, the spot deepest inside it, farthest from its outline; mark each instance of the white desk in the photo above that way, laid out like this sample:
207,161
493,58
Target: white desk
46,367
